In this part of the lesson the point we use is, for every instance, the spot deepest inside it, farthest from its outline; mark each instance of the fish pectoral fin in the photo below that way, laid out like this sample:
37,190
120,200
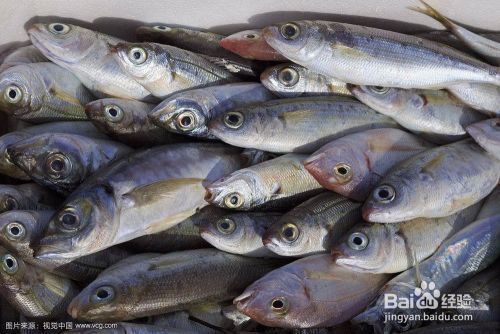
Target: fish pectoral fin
165,262
208,307
63,95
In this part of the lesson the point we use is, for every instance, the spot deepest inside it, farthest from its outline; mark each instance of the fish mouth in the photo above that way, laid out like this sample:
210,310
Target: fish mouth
50,252
73,308
210,195
17,157
243,300
352,88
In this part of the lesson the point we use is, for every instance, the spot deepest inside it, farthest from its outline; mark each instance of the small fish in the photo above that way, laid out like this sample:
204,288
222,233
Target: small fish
487,135
300,125
392,248
435,183
24,55
354,164
482,97
32,291
368,56
150,284
313,226
310,292
250,44
28,196
276,183
42,92
433,114
240,233
85,53
61,161
164,70
189,112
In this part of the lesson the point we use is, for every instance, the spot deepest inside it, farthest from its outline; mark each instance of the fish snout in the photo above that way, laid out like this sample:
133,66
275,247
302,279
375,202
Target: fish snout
209,195
243,300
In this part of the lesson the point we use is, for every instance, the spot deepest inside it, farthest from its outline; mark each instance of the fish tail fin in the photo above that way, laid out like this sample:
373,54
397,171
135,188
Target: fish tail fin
432,12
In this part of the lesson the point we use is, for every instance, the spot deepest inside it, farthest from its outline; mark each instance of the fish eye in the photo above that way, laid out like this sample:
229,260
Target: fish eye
186,120
233,200
58,165
8,203
137,55
279,305
15,231
233,119
13,94
290,30
250,36
384,194
288,77
226,225
59,28
9,264
69,219
161,28
357,241
290,232
103,294
379,89
343,172
113,113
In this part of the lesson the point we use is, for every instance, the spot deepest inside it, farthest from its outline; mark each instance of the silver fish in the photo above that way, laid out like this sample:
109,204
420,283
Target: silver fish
367,56
436,183
85,53
300,125
28,196
487,135
482,97
43,92
24,55
189,112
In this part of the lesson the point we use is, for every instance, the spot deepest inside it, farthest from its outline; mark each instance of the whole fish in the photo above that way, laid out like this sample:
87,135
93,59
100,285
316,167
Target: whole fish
24,55
20,232
149,284
459,327
310,292
436,183
490,206
313,226
354,164
190,111
392,248
487,135
240,233
434,114
43,92
292,80
276,183
374,57
164,69
487,48
250,44
61,161
128,122
32,291
85,53
300,125
27,196
459,258
482,97
9,169
144,193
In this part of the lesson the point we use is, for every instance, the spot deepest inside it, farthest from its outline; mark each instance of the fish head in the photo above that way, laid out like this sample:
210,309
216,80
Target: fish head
84,225
6,165
241,41
236,127
112,116
15,275
20,91
19,230
486,133
62,42
228,230
387,100
11,198
286,80
365,248
237,191
300,41
389,202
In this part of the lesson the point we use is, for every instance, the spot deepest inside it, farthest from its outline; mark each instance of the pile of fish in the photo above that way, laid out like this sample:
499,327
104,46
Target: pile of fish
282,180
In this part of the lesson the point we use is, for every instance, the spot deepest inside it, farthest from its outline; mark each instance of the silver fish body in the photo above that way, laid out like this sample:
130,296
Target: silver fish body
24,55
27,196
487,135
482,97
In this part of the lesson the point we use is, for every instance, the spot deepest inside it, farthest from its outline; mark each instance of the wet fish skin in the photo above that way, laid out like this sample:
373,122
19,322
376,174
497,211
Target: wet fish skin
62,161
374,57
487,134
250,44
240,233
85,53
33,291
392,248
27,196
292,80
463,255
484,98
299,125
155,284
435,183
199,106
354,164
24,55
139,188
273,184
164,69
313,226
490,206
433,114
42,92
313,292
